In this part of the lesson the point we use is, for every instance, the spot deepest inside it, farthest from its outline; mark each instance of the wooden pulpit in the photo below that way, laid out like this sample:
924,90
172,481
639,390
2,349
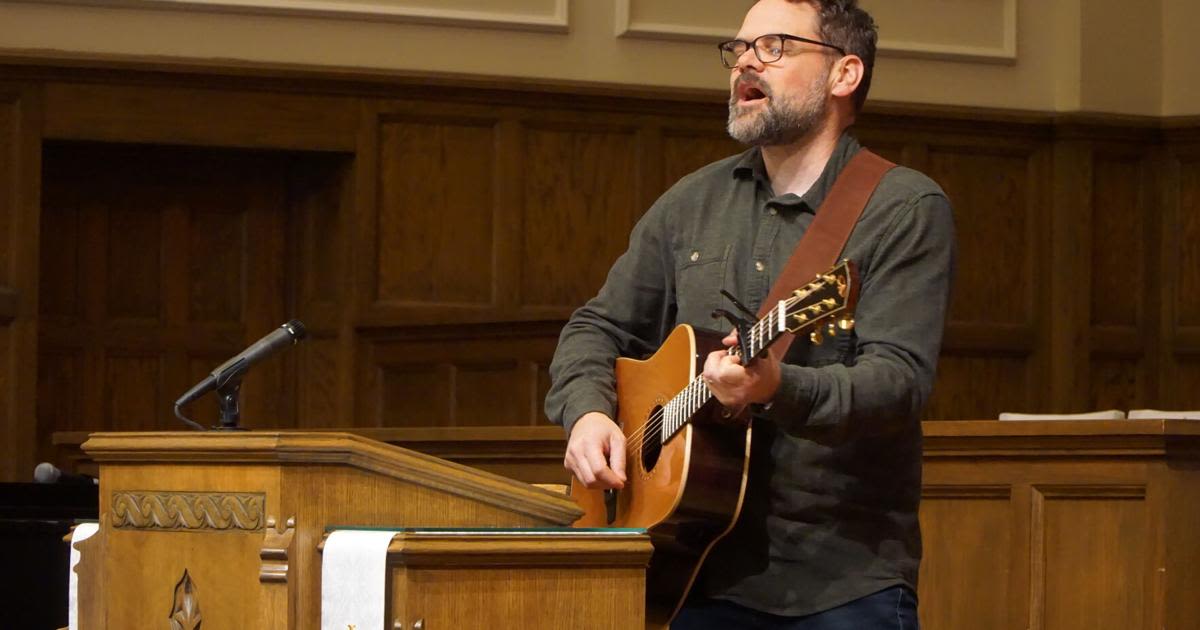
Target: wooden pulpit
224,528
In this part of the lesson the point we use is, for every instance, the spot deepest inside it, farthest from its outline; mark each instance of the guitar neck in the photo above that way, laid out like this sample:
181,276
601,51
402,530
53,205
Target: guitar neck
831,294
679,411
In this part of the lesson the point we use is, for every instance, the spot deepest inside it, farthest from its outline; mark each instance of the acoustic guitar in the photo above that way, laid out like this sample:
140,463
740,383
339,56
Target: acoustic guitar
687,457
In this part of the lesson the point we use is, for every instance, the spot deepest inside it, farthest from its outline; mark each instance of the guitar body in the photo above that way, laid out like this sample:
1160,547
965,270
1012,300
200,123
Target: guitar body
686,493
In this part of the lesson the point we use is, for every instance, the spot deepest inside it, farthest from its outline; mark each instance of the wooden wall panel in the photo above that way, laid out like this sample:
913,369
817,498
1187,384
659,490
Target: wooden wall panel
1100,533
463,376
20,155
992,213
1187,292
397,210
973,386
437,209
581,200
171,261
1118,384
10,156
1118,250
967,533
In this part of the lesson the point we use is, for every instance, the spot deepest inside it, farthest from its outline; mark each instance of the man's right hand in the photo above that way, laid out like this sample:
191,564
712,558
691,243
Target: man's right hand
596,452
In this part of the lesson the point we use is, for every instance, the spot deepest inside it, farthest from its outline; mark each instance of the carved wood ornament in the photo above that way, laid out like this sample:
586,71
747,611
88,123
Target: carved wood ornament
185,611
187,511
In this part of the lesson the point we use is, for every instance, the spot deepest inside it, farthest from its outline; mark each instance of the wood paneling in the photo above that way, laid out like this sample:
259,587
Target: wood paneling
581,194
1117,384
400,218
171,113
979,387
1094,542
461,376
170,261
10,160
993,215
437,210
20,153
1188,229
1118,217
968,545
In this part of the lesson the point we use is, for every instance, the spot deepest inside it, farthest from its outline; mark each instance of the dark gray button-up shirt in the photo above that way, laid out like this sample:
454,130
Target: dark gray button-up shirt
831,508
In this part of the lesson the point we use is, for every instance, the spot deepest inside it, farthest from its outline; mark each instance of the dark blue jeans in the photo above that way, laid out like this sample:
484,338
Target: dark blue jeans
890,609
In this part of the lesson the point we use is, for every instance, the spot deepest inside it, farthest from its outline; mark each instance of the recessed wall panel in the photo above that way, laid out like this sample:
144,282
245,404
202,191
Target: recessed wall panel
436,212
968,544
1095,545
979,388
991,199
1118,276
580,200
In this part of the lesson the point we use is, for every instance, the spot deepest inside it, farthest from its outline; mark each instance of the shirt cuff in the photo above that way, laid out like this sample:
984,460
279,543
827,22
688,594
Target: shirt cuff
582,404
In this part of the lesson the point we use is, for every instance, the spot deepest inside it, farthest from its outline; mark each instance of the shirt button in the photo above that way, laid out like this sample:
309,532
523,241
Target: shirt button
758,265
695,256
772,211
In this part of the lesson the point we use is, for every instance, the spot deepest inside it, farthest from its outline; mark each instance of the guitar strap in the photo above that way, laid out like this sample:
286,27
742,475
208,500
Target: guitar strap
826,236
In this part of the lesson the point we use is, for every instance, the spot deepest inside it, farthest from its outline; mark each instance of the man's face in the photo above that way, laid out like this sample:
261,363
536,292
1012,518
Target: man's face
780,102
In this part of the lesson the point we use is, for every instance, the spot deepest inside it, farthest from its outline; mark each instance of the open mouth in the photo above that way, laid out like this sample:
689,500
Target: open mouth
749,93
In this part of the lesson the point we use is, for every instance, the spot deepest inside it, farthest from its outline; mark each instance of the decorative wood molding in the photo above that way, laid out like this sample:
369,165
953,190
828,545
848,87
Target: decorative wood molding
341,448
277,544
992,491
1004,52
185,612
553,22
180,511
549,547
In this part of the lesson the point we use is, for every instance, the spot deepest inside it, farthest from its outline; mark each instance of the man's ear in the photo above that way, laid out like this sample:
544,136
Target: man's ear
846,74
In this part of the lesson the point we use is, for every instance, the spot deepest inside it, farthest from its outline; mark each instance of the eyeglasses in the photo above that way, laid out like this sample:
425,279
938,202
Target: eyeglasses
768,48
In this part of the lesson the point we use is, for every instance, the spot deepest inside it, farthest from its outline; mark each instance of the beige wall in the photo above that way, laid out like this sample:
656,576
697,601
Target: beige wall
1181,58
1042,55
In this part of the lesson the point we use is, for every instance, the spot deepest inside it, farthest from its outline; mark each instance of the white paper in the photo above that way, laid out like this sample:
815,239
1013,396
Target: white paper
80,533
1111,414
1158,414
353,572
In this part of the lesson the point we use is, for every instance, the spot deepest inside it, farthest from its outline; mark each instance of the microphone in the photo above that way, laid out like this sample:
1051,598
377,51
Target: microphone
231,370
46,472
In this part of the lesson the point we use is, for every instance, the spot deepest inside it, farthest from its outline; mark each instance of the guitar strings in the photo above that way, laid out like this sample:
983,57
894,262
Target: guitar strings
633,442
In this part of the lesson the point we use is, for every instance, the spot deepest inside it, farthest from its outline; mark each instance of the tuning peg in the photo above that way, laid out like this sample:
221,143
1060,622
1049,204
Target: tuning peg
831,329
846,323
816,338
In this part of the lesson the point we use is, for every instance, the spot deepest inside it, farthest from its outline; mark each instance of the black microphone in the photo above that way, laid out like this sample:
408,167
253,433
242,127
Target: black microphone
232,369
46,472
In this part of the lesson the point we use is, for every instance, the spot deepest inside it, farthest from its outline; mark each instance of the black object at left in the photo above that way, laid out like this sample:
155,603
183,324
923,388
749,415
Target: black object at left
227,378
34,517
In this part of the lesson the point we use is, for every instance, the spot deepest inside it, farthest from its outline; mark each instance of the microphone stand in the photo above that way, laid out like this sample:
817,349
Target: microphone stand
227,400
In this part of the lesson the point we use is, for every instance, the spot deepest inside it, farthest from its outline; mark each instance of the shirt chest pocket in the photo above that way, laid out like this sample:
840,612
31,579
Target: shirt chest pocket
699,278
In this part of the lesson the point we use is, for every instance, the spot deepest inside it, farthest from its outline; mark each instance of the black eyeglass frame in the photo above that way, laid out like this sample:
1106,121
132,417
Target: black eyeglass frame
753,45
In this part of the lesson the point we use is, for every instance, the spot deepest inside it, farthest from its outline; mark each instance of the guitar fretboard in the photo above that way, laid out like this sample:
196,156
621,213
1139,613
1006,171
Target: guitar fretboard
680,409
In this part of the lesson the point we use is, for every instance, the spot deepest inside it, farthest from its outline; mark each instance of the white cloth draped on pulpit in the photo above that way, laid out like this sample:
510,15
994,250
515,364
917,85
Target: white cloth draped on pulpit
81,532
353,572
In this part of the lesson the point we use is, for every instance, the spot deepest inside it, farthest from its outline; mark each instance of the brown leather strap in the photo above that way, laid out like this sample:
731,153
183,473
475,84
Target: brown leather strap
826,237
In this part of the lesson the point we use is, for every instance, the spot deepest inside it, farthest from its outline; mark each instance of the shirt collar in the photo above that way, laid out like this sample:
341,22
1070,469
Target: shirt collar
751,167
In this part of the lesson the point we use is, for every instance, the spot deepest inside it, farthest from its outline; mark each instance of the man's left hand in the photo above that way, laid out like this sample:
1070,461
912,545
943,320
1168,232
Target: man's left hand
737,385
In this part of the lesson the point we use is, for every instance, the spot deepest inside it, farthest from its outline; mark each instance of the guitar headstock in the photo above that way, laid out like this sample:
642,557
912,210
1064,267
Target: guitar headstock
829,299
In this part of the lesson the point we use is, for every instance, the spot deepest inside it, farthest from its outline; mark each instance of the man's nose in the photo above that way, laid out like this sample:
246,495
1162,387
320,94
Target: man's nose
749,59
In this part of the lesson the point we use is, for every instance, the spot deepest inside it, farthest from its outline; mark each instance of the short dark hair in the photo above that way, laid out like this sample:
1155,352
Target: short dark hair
845,24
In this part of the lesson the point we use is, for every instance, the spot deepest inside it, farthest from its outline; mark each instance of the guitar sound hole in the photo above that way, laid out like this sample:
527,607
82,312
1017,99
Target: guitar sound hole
652,440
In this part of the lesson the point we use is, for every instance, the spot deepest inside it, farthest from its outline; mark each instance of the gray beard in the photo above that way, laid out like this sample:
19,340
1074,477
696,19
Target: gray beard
781,121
